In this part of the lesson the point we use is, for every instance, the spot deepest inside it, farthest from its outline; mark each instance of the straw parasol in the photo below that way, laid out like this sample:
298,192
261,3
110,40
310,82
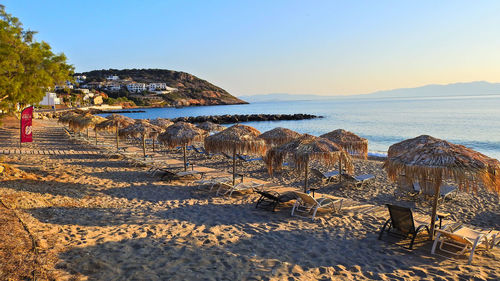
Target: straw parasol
279,136
211,127
143,129
181,133
161,122
352,143
305,149
428,159
115,121
88,120
239,139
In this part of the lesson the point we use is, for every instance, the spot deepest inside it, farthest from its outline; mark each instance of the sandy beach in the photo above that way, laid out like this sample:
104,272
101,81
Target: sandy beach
99,218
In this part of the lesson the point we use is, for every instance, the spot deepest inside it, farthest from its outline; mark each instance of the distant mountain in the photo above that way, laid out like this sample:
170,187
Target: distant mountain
191,90
479,88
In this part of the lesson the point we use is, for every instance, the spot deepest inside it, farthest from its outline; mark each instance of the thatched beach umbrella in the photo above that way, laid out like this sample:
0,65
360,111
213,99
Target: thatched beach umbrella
211,127
305,149
237,139
181,133
428,159
86,121
279,136
66,117
116,122
142,129
352,143
161,122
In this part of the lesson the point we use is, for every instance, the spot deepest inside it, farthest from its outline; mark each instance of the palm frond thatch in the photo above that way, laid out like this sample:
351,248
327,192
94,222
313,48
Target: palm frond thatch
352,143
426,158
86,121
161,122
211,127
279,136
141,128
181,133
305,149
115,121
240,138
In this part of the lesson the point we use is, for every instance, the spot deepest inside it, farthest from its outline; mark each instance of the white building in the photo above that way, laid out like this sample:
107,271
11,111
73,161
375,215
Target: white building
112,78
136,87
113,87
160,87
50,99
80,78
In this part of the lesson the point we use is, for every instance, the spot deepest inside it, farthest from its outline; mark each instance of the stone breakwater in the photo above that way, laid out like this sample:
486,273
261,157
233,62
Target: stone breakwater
228,119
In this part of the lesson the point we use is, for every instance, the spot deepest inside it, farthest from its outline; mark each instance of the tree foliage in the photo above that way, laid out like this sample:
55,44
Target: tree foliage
27,67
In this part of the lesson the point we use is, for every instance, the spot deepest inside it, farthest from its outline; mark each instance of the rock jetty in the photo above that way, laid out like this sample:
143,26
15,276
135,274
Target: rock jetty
228,119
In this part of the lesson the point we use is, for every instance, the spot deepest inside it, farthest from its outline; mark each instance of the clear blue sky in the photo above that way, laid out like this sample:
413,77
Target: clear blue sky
258,47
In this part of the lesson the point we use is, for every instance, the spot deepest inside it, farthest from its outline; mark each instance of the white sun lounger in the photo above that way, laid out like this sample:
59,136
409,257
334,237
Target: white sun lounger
464,239
241,187
308,205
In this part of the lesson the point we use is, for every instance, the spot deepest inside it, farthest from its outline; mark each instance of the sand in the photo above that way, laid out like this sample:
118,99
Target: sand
99,218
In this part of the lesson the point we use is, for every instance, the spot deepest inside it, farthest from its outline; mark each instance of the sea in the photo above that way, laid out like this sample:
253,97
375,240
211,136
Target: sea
473,121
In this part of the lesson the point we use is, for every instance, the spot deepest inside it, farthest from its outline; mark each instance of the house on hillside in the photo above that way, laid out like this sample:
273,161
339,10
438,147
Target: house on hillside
112,78
136,87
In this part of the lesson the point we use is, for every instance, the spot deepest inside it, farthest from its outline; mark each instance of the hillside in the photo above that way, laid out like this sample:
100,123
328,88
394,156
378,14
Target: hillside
191,90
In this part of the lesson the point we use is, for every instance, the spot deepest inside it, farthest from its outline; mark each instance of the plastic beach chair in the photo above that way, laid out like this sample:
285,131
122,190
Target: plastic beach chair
464,239
308,205
328,176
241,187
359,180
401,223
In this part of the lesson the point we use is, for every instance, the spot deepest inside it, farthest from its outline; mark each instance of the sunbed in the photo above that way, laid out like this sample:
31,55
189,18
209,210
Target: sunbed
241,187
328,176
444,190
246,158
214,181
308,205
270,199
359,180
401,223
464,239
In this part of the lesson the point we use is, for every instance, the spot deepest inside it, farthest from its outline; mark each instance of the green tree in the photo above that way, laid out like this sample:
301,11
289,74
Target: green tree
27,67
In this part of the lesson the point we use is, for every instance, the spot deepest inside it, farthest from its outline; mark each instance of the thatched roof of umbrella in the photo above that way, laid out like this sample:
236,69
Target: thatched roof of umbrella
279,136
241,138
181,133
431,159
115,120
211,127
87,120
141,128
67,116
351,142
161,122
307,148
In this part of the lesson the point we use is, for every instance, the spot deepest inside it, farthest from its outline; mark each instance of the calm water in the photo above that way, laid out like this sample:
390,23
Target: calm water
470,121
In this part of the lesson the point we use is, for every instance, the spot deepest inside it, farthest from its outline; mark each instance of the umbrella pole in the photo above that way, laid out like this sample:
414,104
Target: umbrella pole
340,169
87,132
144,145
184,150
305,181
95,137
153,145
234,165
434,211
117,138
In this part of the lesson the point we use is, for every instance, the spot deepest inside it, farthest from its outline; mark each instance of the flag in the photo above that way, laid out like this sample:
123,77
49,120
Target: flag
26,128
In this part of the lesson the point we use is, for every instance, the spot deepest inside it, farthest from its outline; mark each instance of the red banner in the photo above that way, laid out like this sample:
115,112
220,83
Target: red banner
26,128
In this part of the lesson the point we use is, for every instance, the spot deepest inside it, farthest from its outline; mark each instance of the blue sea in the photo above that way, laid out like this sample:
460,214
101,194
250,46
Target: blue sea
473,121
